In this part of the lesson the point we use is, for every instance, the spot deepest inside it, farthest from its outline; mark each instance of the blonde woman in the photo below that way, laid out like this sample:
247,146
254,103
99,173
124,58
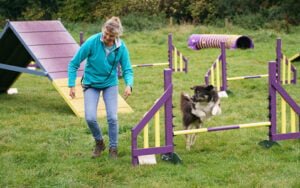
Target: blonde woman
102,52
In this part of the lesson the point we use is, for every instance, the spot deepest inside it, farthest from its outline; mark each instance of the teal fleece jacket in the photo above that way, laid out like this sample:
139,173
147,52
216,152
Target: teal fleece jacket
100,70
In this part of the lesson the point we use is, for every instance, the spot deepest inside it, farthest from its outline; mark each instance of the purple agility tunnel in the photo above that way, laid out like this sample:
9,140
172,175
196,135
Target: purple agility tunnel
199,41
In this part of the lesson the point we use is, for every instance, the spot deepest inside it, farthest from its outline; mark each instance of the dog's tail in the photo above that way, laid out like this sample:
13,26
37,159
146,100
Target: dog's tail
185,102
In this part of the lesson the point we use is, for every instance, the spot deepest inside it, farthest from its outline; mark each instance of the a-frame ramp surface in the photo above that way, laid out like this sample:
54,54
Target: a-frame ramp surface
51,47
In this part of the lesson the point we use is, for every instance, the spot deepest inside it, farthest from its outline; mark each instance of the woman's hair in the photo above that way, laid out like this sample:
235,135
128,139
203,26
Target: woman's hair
113,25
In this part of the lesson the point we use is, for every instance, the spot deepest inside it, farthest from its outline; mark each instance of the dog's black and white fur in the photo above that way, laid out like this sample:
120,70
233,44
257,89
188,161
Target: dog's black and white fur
196,109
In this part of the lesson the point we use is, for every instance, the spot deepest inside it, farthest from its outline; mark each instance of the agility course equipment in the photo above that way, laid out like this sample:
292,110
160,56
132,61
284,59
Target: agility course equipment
217,74
51,47
200,41
295,57
176,60
277,131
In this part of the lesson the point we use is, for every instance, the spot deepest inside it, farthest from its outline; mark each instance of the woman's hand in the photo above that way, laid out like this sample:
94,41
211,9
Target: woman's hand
72,92
127,92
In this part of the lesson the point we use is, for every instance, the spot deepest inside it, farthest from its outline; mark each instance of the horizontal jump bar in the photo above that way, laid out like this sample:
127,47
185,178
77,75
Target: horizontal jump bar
223,128
248,77
150,65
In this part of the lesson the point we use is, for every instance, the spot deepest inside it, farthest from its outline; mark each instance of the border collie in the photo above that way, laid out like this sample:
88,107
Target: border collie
196,109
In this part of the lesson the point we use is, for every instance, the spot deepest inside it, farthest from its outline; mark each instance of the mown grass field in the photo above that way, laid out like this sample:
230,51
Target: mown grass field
43,144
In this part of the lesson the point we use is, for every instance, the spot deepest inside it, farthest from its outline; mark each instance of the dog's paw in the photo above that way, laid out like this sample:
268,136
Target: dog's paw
216,110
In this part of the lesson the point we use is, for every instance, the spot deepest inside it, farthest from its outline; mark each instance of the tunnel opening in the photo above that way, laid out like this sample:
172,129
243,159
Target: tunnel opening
244,42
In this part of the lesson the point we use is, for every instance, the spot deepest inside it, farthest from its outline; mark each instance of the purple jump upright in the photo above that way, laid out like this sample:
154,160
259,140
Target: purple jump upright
164,101
199,41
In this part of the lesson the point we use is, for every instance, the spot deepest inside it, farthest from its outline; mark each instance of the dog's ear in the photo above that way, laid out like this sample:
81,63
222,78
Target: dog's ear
193,88
209,87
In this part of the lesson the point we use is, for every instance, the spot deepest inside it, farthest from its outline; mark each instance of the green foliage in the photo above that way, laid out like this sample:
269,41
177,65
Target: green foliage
34,12
290,11
140,22
12,9
177,9
251,21
76,10
246,13
104,9
2,22
278,25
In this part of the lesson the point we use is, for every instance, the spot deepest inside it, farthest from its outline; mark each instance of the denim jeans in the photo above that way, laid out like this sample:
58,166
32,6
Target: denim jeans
110,97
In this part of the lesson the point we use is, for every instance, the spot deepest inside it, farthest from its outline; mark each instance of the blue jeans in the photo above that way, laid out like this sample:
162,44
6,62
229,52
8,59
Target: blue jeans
110,97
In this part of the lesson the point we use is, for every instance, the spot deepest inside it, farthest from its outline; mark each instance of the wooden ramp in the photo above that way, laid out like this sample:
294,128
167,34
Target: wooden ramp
77,104
51,47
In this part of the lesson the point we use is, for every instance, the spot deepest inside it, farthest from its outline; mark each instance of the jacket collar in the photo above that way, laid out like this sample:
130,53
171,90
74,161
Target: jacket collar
117,41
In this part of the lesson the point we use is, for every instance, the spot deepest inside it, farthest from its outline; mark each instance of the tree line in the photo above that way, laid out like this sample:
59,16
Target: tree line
246,13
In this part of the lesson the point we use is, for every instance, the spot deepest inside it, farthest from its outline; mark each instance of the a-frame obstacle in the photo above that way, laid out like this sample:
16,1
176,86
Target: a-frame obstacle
51,47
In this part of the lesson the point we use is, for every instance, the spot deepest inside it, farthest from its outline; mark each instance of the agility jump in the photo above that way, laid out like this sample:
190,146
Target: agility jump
217,74
176,60
277,130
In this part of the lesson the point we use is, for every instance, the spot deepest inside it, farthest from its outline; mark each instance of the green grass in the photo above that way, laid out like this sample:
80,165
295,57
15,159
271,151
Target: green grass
42,143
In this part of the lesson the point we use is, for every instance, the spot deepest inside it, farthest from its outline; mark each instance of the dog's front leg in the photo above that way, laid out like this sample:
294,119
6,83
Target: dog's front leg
193,136
188,142
189,138
193,139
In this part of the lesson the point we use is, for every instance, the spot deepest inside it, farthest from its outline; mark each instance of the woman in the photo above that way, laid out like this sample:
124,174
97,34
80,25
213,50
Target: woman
102,52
